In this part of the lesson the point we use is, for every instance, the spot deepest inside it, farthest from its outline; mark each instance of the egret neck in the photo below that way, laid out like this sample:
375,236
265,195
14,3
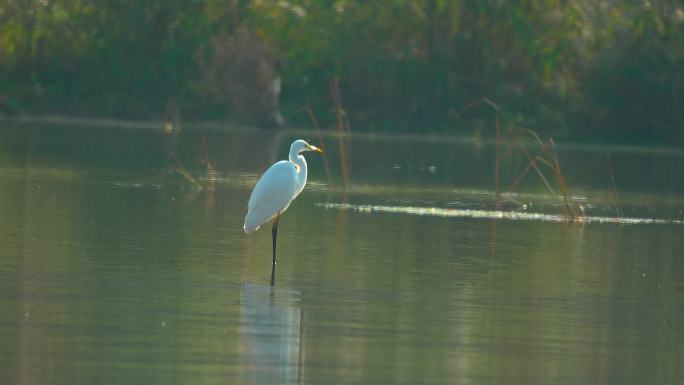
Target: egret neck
300,164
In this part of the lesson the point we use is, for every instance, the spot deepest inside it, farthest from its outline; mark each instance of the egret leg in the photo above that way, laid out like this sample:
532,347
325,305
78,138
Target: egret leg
274,233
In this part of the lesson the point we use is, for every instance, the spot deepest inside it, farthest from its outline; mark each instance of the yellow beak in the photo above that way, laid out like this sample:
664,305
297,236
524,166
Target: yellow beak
315,149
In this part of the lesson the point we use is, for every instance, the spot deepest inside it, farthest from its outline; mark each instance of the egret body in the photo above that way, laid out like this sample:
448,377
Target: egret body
275,190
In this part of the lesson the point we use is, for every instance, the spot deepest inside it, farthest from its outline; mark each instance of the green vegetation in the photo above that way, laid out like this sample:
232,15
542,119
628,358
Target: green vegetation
579,69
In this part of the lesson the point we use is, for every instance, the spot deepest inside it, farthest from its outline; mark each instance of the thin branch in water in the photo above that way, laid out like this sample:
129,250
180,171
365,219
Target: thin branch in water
533,164
613,189
468,106
497,112
211,170
497,164
207,160
342,126
320,139
185,173
498,152
534,134
530,165
569,203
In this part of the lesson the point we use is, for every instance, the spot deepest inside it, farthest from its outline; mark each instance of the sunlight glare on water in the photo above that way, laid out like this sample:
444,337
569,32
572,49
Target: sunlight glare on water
491,214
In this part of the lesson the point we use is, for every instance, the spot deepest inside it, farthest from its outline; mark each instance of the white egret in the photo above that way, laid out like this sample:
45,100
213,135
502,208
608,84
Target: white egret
275,190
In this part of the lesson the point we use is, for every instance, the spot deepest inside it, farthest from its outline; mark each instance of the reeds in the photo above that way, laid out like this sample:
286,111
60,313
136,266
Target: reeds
545,156
209,182
314,121
342,128
615,198
548,156
209,164
184,173
497,112
497,165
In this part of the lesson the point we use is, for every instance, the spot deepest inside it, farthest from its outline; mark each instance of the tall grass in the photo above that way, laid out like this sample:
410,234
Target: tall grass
546,157
615,198
314,121
341,127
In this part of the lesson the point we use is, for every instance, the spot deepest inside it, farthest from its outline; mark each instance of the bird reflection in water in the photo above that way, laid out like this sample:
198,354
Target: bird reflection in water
270,332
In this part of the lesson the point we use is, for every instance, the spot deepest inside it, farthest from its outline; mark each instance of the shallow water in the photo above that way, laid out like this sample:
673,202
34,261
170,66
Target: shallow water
115,270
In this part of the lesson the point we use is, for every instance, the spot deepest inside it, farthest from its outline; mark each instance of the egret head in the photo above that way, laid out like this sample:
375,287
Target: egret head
300,145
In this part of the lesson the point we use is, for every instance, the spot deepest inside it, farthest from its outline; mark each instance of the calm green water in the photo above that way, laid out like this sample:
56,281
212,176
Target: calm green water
114,270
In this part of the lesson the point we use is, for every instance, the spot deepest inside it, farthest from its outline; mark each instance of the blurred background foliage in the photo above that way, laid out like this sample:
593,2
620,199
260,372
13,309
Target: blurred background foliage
600,71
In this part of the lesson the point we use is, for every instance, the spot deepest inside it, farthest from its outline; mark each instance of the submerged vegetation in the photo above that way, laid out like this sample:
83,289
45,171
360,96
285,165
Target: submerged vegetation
579,69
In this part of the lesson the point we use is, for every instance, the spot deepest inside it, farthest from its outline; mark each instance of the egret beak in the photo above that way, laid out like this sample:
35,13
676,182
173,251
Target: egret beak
315,149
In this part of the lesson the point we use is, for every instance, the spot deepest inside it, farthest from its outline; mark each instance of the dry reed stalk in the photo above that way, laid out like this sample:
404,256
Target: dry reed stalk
320,139
468,106
342,126
570,206
211,170
547,156
532,164
573,211
207,160
615,198
497,165
185,173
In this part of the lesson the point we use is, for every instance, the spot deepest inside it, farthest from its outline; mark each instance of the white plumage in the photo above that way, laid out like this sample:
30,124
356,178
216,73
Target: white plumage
276,189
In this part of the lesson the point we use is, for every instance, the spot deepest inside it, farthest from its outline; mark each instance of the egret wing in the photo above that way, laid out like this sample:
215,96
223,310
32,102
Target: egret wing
272,194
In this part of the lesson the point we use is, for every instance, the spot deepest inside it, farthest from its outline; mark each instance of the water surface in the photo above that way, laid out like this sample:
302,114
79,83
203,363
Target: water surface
115,269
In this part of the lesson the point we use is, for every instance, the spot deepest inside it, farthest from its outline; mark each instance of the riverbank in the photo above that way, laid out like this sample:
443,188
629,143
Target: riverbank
577,71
